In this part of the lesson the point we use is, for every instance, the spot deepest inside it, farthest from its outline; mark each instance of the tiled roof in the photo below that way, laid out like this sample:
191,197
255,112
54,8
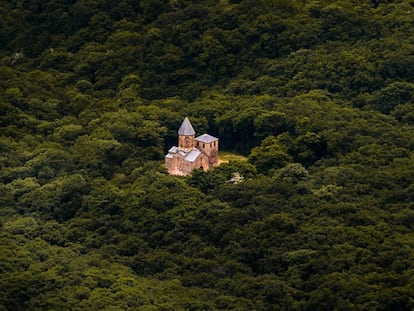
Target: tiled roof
174,150
192,155
186,128
206,138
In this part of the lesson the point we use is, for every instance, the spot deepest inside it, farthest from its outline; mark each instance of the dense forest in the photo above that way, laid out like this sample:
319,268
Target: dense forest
317,95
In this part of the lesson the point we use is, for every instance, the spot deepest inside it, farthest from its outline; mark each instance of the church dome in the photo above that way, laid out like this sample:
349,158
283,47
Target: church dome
186,129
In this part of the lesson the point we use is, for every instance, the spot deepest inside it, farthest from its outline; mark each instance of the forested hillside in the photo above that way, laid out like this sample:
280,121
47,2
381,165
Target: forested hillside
318,95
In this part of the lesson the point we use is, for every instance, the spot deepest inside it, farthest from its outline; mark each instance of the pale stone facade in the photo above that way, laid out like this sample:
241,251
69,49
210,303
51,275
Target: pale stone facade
192,152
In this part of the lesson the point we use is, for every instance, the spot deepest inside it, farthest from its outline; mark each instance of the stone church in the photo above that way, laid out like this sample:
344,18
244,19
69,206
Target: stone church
192,152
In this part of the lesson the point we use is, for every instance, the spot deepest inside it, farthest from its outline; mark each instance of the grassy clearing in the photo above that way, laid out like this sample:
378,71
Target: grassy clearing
226,156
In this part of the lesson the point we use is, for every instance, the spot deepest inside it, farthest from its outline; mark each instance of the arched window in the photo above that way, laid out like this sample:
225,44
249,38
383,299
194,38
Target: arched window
186,142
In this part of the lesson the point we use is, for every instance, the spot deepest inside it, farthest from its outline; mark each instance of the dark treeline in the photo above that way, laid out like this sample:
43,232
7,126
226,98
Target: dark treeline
318,95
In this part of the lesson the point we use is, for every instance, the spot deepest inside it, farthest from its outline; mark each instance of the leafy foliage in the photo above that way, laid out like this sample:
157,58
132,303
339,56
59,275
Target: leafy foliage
317,95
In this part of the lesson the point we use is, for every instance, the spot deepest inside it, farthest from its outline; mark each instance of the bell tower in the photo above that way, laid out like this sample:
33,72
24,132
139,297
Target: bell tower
186,136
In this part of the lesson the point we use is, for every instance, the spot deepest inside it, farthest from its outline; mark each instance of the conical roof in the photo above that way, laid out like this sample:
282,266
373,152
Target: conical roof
186,128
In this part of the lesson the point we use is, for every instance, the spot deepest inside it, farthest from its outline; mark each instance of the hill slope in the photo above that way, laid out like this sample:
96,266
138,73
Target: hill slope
317,96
